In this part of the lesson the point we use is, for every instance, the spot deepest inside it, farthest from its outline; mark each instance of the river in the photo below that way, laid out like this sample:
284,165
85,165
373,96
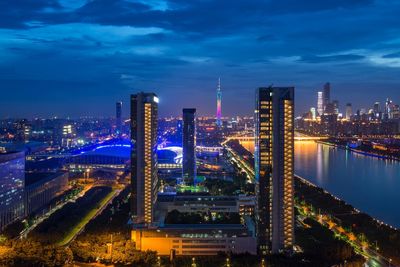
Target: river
369,184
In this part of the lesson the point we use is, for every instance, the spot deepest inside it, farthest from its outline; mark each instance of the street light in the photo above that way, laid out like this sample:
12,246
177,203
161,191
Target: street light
228,264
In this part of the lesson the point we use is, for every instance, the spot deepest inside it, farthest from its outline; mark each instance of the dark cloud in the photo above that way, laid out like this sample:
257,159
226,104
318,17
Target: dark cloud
110,48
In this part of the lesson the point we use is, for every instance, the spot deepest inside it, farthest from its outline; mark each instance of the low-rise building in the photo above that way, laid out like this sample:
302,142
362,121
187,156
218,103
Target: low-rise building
42,188
199,239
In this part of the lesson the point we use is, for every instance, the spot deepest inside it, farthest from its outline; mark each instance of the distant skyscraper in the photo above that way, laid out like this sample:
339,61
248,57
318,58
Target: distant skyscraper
219,104
274,164
144,115
12,183
313,113
327,94
189,146
320,104
335,106
377,108
349,111
118,116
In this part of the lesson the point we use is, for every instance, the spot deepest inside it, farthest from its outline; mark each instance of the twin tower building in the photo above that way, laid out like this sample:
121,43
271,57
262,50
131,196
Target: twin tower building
274,163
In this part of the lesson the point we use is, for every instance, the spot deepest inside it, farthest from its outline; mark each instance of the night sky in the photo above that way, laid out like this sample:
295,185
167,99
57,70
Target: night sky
77,57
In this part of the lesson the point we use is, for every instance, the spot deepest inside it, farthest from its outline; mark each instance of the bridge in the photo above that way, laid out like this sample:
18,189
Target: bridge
297,137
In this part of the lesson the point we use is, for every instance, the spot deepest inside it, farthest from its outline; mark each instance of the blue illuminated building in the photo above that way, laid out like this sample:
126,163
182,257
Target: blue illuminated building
12,180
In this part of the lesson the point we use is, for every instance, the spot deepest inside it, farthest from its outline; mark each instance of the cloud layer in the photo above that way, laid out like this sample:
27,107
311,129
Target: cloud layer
89,54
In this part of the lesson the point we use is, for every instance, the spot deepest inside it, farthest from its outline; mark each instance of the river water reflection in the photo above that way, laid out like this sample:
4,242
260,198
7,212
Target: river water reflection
369,184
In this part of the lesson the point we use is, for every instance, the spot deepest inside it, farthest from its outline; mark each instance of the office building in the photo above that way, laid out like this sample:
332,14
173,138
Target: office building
313,114
219,103
144,115
327,94
320,104
377,108
189,146
349,111
12,182
118,117
335,104
274,164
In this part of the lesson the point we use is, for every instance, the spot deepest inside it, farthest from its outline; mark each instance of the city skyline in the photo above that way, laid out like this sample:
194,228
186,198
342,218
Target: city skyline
57,54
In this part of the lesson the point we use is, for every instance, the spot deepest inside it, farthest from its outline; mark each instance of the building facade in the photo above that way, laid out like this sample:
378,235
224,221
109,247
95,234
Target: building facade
199,239
42,188
144,115
12,182
349,111
274,164
320,104
189,146
118,118
327,95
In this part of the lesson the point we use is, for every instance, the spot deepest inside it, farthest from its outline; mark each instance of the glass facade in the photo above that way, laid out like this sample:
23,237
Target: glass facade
12,182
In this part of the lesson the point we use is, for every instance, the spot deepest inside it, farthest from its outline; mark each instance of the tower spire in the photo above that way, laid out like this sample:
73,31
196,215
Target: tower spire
219,103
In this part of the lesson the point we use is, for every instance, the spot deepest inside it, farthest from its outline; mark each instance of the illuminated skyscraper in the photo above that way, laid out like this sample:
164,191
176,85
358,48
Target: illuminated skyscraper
274,164
349,111
118,116
219,103
189,146
327,94
313,113
320,104
144,115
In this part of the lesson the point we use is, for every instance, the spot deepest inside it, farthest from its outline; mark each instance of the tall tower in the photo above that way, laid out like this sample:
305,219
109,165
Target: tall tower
144,114
118,117
274,164
349,111
320,104
219,103
327,94
189,146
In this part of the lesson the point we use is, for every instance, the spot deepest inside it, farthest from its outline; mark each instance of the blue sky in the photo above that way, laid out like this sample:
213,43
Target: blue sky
77,57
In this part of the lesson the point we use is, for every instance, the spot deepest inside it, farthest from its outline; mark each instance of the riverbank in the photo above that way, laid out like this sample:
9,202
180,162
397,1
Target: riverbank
373,235
359,151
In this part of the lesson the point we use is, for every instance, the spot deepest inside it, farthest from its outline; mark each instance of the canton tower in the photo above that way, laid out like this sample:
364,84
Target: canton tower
219,100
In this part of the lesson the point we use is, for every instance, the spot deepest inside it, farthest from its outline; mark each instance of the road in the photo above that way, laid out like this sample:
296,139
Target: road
46,215
90,216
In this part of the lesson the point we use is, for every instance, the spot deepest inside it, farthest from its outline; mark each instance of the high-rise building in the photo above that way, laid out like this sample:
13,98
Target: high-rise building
313,113
329,109
349,111
327,94
68,135
377,108
12,183
118,117
320,104
335,104
144,115
189,146
219,104
274,164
